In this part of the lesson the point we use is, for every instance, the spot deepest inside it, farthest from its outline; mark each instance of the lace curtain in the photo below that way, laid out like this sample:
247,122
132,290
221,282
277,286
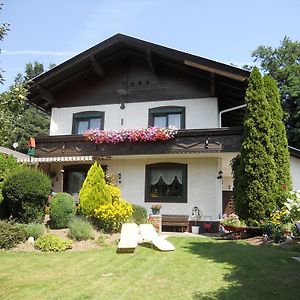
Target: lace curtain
168,175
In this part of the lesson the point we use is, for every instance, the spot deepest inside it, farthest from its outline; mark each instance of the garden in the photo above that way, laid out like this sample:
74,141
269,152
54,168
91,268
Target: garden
35,221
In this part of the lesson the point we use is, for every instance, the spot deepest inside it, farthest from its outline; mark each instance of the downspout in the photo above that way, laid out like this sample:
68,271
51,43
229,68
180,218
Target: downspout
227,110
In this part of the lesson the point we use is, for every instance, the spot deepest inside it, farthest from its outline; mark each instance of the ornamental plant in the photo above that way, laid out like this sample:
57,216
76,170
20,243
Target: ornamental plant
111,216
232,220
26,192
52,243
151,134
254,171
292,206
156,206
62,210
94,191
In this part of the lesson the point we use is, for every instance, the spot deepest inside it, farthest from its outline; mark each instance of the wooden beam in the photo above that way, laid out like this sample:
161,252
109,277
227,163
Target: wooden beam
212,84
96,66
216,71
46,94
150,61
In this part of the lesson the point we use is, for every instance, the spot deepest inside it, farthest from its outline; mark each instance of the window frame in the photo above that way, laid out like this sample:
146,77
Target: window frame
165,111
168,165
87,116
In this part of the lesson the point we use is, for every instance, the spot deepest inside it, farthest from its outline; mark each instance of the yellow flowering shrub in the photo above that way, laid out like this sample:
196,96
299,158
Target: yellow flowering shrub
111,216
278,217
114,191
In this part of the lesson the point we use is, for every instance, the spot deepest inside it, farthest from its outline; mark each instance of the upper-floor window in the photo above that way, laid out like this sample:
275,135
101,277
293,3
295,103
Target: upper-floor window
166,116
87,120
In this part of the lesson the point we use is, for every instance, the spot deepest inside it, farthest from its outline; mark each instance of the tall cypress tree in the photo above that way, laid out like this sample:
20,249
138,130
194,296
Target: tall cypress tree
279,140
255,168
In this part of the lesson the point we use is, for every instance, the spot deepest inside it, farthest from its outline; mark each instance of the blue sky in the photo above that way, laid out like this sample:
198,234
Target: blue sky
223,30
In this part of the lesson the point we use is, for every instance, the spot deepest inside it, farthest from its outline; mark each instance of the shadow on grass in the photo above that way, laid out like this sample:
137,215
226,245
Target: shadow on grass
253,272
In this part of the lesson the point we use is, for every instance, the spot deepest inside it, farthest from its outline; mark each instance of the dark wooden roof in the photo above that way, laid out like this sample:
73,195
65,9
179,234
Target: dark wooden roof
227,82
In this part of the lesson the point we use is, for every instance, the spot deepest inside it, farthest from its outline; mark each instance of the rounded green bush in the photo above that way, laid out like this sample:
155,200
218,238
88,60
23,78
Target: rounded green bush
26,192
53,243
62,210
80,230
139,215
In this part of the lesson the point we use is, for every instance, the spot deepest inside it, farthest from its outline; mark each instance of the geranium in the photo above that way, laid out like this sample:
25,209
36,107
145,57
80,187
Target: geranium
151,134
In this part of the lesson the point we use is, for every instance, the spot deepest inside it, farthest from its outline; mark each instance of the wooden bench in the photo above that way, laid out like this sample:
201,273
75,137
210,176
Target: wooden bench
181,221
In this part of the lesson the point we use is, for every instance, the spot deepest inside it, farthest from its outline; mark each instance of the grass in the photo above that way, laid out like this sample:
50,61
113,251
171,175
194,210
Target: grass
199,268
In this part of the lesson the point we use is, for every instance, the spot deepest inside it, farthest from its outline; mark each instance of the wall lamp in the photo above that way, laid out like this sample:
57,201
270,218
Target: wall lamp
220,175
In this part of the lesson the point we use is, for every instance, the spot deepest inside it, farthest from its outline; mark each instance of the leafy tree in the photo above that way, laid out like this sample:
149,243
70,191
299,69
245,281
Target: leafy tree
254,170
11,108
283,64
279,140
94,191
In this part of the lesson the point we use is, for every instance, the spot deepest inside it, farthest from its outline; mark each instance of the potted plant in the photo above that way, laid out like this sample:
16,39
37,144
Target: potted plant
232,222
156,208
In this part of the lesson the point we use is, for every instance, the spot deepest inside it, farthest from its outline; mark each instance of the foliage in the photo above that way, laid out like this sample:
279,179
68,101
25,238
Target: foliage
292,206
8,164
111,216
11,234
283,65
80,229
12,104
26,193
114,191
94,191
150,134
32,122
232,220
254,170
35,230
102,241
52,243
62,210
279,140
139,215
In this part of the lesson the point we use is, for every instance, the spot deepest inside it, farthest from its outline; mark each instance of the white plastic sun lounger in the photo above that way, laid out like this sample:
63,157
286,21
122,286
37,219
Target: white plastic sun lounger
129,237
149,235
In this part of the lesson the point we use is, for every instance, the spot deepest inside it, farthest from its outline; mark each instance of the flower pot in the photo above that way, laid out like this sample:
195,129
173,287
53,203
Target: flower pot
155,211
195,229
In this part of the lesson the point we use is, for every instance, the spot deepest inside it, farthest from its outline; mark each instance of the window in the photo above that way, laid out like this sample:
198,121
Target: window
87,120
166,116
166,182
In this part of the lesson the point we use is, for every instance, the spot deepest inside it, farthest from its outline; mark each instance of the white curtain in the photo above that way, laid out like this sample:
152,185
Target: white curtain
167,175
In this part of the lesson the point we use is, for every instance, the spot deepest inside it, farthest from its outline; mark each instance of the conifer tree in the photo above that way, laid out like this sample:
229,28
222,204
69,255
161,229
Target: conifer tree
279,140
94,191
255,174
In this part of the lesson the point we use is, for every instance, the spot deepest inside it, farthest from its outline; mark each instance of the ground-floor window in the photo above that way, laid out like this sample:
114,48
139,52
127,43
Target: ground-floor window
166,182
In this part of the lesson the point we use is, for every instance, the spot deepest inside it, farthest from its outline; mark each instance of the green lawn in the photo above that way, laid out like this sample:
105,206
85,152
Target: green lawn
200,268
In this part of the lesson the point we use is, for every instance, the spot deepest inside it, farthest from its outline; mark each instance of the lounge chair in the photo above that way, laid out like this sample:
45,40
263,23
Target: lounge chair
129,237
149,235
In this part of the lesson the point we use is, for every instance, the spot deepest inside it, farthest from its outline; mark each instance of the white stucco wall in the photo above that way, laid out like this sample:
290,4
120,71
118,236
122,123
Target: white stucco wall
204,189
200,113
295,172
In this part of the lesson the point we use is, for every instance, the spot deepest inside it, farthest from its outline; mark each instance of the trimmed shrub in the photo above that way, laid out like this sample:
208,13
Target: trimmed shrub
11,234
34,229
62,210
111,216
80,230
94,191
139,215
52,243
26,193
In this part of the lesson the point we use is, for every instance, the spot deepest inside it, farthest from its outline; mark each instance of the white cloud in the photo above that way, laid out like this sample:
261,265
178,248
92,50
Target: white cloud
37,52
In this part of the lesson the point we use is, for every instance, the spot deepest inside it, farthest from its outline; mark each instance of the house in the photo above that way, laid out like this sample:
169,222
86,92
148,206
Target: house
124,82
